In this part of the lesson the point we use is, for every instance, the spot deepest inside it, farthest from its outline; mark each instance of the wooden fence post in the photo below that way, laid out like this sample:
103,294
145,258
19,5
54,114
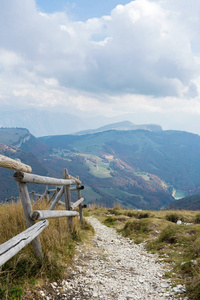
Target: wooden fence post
47,194
80,205
32,195
57,198
26,203
67,196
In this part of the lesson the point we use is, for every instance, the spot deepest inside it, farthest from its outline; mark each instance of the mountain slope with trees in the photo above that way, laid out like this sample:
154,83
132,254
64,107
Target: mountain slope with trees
8,186
133,168
173,156
187,203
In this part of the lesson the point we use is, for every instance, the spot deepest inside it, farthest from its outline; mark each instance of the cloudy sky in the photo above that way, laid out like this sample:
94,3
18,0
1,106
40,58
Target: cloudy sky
140,59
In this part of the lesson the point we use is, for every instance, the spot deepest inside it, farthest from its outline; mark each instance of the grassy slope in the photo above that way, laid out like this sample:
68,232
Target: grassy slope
177,245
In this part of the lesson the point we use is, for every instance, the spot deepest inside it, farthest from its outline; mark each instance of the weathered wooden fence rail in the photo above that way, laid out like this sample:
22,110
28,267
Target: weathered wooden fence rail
31,235
46,214
32,178
14,245
9,163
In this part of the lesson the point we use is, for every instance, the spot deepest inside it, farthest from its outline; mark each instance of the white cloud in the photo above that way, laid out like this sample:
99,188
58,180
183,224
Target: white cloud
132,60
9,59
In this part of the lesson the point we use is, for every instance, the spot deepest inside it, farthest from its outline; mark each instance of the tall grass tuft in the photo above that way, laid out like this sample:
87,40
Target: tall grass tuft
58,244
134,228
168,235
173,217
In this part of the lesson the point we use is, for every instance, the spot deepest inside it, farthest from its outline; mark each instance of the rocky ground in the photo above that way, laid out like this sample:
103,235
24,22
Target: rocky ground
113,267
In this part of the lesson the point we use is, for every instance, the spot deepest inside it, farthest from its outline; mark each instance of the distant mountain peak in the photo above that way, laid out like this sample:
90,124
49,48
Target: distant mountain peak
124,125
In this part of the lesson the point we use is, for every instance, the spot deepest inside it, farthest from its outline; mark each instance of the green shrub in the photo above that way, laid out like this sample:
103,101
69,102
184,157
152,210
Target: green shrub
168,235
15,293
197,219
137,214
131,214
143,215
173,217
186,268
109,221
135,226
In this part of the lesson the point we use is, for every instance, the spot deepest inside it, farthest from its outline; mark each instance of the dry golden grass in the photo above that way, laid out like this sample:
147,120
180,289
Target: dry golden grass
58,244
12,221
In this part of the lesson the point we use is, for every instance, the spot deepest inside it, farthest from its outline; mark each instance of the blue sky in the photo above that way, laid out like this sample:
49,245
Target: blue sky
80,9
103,58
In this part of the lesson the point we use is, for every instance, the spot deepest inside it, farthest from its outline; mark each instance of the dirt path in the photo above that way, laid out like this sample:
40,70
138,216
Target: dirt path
114,268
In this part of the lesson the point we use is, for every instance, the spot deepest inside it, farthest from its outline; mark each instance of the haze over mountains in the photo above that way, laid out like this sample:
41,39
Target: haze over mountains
46,122
41,123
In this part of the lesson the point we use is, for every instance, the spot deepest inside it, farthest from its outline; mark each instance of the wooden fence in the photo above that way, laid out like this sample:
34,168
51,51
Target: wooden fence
22,177
33,195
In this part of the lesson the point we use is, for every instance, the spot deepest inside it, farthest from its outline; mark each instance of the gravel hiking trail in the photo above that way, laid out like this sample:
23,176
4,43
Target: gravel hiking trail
113,267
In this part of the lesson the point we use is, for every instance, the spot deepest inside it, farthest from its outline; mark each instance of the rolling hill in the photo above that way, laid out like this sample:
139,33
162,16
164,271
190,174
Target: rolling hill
187,203
145,165
173,156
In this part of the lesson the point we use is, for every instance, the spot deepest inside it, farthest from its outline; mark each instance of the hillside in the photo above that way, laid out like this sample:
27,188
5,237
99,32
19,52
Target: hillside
187,203
19,143
133,168
118,185
173,156
23,139
8,186
128,160
14,136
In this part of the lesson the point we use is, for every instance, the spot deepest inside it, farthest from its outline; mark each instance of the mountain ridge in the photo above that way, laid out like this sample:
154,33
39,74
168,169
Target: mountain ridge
124,125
